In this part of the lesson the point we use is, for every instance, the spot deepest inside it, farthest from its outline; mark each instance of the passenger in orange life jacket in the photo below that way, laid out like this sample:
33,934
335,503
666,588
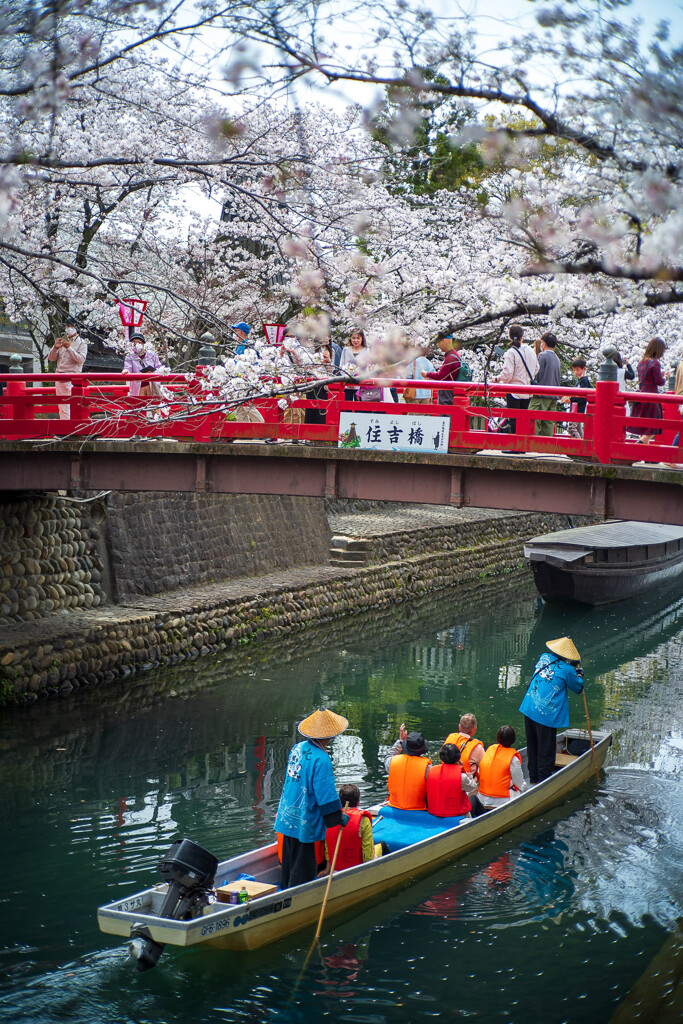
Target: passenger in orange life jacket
407,771
471,750
356,844
449,787
500,772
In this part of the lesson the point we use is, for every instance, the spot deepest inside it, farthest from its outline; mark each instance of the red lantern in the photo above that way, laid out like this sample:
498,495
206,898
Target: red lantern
274,333
131,311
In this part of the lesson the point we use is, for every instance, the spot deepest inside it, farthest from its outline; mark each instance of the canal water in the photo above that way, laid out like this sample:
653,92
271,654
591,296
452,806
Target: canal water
553,922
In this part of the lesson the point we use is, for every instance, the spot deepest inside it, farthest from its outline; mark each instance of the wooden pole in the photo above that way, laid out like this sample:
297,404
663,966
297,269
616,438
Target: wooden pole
329,879
590,735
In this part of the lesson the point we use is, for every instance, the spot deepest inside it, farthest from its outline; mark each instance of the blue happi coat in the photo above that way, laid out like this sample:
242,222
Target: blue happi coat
546,700
309,792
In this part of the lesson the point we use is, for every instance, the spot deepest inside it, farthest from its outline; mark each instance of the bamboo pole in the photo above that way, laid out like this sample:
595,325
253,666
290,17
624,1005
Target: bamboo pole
590,735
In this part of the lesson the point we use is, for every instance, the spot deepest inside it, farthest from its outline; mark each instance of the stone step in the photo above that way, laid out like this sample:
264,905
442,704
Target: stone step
353,557
346,563
350,543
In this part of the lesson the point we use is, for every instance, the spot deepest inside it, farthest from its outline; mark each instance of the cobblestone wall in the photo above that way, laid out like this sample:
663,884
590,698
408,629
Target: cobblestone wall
158,542
192,623
57,555
49,558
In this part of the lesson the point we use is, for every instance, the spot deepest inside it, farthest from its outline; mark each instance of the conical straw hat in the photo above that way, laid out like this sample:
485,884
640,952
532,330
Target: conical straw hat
565,647
323,724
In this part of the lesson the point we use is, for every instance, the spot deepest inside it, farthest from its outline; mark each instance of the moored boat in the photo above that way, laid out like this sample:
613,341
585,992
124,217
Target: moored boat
606,562
267,918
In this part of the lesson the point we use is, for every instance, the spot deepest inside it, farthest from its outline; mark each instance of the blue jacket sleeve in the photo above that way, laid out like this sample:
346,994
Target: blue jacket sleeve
572,678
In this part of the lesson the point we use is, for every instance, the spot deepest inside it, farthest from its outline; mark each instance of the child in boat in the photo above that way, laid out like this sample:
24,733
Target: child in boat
356,844
500,772
449,787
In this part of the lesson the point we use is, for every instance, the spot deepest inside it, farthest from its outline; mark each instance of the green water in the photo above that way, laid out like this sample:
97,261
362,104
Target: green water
555,920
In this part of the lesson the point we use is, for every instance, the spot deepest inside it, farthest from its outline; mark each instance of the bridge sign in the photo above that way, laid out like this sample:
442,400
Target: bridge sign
389,433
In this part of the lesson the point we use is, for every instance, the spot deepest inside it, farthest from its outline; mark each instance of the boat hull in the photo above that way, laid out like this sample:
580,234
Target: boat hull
595,586
280,914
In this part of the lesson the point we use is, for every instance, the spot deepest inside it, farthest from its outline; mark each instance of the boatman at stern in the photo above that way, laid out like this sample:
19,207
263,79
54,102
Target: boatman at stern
309,804
546,705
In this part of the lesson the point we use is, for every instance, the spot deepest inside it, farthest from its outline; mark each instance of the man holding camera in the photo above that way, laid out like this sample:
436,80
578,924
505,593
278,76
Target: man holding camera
546,705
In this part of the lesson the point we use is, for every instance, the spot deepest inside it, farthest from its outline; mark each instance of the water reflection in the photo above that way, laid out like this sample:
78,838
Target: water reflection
95,788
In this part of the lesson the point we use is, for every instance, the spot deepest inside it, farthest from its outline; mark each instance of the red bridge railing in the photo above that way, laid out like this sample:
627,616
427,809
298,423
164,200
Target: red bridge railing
100,407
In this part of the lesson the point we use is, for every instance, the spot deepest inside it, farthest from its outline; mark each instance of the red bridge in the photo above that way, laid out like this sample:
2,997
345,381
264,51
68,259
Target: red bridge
194,445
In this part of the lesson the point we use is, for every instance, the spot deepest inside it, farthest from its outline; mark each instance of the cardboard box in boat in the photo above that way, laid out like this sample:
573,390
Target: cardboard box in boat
254,889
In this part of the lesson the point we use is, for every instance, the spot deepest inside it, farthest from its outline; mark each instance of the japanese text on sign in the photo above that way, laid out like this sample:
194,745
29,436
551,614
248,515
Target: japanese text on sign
393,433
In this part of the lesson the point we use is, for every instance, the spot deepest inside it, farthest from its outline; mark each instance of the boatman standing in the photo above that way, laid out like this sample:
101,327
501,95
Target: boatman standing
546,705
309,803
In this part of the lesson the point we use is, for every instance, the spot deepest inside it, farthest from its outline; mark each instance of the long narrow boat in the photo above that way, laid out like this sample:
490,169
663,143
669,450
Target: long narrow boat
271,917
606,562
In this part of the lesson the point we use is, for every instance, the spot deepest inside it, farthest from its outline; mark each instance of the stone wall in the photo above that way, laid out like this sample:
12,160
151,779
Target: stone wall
61,555
49,557
190,624
157,542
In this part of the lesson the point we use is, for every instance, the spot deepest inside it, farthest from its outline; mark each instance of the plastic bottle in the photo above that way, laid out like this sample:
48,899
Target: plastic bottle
244,895
234,896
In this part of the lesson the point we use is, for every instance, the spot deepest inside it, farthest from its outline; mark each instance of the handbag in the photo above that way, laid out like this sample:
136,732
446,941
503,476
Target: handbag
409,394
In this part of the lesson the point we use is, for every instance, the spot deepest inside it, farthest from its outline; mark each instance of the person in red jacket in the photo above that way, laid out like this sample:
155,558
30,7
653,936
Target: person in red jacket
356,844
449,787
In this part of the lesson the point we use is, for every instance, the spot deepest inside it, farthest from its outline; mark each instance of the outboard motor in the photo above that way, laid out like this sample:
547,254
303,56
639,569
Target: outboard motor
189,870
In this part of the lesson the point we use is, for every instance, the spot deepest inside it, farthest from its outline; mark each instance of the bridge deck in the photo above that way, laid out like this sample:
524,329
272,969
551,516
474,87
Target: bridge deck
523,483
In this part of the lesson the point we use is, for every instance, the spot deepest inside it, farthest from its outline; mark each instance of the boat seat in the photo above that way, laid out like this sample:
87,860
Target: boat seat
564,759
399,829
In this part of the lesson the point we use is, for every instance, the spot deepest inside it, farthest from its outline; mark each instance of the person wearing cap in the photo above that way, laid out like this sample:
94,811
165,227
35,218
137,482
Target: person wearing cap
309,804
407,768
242,331
546,704
140,359
69,352
471,750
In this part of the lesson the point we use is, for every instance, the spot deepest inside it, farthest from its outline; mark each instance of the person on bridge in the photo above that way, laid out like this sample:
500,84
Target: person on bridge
309,804
546,705
407,767
448,370
650,379
471,750
69,352
520,366
242,332
500,772
349,361
141,359
548,376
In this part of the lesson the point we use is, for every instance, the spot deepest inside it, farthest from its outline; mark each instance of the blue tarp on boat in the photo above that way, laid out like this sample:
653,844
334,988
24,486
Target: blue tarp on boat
399,829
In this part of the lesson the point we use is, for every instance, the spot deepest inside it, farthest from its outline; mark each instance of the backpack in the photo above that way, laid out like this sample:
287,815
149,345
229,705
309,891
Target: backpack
465,371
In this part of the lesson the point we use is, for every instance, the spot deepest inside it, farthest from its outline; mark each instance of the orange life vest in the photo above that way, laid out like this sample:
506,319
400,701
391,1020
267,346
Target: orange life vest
460,738
350,846
444,794
494,770
407,786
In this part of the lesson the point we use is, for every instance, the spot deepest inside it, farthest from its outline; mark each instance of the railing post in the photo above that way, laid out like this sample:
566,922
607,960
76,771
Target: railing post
606,391
77,406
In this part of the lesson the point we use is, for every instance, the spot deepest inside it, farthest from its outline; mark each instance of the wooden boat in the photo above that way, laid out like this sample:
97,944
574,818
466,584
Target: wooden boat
271,917
604,563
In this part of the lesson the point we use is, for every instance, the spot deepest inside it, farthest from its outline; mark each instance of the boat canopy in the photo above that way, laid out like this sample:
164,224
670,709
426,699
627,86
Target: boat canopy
617,534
